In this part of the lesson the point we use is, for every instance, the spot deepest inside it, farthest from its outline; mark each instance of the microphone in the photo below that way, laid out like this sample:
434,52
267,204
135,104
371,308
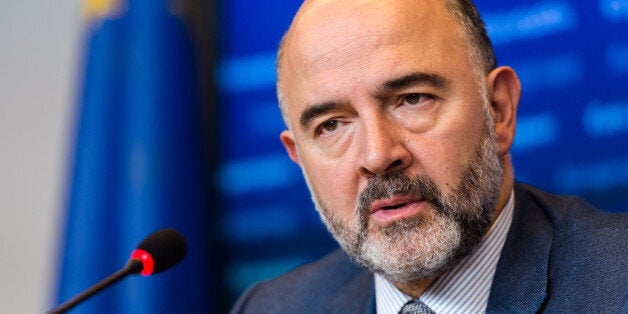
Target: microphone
156,253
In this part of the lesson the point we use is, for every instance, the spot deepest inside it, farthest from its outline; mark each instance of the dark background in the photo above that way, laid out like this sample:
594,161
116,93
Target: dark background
572,130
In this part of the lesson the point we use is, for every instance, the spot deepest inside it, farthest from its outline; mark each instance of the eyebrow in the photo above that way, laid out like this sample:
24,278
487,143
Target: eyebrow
312,112
414,79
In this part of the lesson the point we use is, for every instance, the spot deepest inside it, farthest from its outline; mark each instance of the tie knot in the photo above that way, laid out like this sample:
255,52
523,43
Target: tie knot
416,307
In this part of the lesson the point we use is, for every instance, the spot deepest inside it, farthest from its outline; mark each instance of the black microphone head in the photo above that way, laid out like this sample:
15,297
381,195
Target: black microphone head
166,246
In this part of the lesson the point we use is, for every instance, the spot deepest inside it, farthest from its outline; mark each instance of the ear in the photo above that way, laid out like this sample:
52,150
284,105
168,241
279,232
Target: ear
287,139
504,91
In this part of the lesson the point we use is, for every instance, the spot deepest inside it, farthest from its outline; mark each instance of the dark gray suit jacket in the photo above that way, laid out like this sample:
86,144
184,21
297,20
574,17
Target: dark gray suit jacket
561,255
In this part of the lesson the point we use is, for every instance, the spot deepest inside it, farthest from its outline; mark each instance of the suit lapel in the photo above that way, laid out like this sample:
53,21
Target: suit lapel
521,279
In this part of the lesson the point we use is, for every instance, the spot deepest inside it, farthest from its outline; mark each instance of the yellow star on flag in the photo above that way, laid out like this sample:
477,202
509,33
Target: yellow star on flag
100,9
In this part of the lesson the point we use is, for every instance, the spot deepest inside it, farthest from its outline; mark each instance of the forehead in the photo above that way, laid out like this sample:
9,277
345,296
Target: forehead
334,40
325,32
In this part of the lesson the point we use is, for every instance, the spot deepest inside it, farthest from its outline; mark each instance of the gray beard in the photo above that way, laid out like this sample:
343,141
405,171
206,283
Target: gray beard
419,247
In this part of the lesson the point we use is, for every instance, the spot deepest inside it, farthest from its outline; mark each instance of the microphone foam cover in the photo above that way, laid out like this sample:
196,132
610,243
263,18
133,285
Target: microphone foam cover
166,246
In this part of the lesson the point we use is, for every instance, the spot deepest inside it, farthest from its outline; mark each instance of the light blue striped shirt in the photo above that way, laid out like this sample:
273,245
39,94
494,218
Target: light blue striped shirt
466,287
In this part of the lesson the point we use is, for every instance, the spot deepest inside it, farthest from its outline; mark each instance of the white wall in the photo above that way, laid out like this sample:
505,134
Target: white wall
39,49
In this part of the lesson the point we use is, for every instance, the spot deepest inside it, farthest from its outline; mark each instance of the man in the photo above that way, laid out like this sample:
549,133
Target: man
402,124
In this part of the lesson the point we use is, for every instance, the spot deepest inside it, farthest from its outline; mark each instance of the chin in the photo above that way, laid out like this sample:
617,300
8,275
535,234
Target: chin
412,249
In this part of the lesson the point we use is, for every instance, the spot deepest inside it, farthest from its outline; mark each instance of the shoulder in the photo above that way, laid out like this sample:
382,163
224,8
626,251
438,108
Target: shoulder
587,262
311,288
579,230
570,214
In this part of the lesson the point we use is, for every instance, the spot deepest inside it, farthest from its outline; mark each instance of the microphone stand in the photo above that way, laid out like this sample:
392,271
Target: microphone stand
134,266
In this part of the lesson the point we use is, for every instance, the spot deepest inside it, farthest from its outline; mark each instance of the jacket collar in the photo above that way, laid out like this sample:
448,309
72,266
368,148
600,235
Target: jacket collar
521,279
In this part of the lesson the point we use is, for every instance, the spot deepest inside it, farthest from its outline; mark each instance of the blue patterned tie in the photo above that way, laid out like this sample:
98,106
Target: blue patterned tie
416,307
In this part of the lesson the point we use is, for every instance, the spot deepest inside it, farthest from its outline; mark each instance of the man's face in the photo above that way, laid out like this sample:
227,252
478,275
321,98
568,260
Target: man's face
387,121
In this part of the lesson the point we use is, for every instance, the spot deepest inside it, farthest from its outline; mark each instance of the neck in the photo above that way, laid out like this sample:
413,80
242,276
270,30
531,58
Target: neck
415,288
508,182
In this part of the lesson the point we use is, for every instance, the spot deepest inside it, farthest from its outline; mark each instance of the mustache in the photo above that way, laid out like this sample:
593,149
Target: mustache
397,184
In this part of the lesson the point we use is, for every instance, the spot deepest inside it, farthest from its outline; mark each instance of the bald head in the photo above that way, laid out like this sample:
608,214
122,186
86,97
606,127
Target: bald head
347,15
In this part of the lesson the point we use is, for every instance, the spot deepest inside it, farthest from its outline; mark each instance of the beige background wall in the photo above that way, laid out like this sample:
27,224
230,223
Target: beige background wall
39,49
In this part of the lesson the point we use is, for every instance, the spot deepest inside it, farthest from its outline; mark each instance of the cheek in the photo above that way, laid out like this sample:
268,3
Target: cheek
447,149
335,184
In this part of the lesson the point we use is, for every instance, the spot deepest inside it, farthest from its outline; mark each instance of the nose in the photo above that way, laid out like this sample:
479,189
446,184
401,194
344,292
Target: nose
383,148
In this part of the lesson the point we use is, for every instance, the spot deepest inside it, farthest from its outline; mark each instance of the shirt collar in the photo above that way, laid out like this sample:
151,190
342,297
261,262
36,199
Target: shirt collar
463,289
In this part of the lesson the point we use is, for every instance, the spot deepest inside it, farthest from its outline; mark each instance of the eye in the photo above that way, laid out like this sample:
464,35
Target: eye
412,99
328,126
419,100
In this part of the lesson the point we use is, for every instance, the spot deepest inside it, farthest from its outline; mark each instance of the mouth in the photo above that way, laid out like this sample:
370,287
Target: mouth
394,203
393,206
386,211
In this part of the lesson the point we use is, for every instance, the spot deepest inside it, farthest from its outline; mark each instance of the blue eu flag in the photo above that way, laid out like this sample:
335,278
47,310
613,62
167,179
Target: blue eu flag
138,164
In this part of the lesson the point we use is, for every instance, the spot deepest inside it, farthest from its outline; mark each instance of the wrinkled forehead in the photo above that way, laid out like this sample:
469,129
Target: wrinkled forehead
327,33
